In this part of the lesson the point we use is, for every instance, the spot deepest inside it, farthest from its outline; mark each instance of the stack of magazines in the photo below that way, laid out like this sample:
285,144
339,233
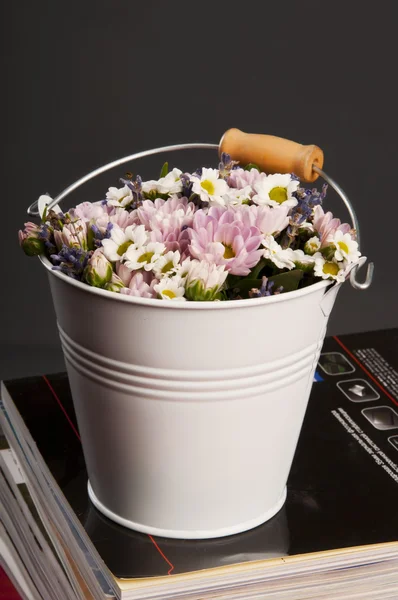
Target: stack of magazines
335,537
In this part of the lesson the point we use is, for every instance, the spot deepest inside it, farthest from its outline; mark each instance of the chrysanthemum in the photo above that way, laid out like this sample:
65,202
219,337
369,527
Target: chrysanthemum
204,281
346,247
327,226
138,257
141,285
328,269
209,187
222,239
238,196
87,211
166,220
124,273
275,190
167,264
170,184
119,196
302,261
266,218
117,216
276,254
312,245
170,288
240,178
115,247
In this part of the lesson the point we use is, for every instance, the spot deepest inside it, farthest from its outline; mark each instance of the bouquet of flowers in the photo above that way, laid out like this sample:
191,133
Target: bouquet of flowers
214,234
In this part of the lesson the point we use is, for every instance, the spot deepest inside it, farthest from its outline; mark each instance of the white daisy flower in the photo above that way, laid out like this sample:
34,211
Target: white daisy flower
346,247
209,187
236,196
171,288
115,247
170,184
328,269
302,261
204,280
274,252
144,256
119,196
167,264
275,190
312,245
183,268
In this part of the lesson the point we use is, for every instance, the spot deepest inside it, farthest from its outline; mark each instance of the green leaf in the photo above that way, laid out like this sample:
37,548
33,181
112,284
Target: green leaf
164,171
255,272
90,239
232,281
252,166
289,280
44,215
244,285
328,252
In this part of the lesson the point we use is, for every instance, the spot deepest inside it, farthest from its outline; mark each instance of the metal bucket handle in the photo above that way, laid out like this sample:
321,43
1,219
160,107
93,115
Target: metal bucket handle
304,161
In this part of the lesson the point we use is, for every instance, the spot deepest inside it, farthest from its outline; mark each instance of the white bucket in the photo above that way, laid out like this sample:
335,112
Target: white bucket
189,413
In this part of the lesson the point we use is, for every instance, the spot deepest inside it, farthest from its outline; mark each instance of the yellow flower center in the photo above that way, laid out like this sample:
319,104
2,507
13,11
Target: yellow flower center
343,246
122,249
146,257
122,198
169,294
331,268
208,186
278,194
167,267
228,252
314,245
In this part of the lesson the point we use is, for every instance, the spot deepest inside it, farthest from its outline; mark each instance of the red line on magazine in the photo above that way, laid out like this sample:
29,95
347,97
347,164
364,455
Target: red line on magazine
162,555
383,389
61,407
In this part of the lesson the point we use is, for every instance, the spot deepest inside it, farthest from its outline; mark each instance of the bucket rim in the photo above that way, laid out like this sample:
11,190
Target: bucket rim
192,305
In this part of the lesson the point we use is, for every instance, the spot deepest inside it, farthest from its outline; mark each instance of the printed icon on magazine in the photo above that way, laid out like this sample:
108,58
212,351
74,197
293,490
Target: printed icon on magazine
335,363
358,390
394,441
381,417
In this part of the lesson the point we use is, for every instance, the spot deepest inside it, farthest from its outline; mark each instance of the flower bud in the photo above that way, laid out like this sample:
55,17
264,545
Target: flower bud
115,284
72,235
99,270
204,281
32,246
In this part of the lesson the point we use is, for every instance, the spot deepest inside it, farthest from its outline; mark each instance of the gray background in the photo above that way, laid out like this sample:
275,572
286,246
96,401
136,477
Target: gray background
89,82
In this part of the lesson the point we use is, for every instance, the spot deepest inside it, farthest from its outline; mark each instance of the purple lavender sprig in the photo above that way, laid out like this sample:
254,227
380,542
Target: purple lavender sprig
97,235
135,186
71,261
266,289
307,199
226,165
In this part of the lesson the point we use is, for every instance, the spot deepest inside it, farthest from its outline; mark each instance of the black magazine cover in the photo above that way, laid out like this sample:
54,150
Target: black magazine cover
342,488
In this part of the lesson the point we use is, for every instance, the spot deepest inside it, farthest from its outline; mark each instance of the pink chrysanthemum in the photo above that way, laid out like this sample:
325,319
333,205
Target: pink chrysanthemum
124,273
142,284
88,211
326,226
220,238
118,216
239,178
267,219
165,220
166,214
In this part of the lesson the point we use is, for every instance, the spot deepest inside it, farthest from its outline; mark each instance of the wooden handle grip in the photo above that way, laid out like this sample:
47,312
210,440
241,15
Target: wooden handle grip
272,154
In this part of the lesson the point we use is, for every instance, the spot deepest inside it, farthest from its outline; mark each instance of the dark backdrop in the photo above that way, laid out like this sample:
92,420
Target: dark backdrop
87,82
